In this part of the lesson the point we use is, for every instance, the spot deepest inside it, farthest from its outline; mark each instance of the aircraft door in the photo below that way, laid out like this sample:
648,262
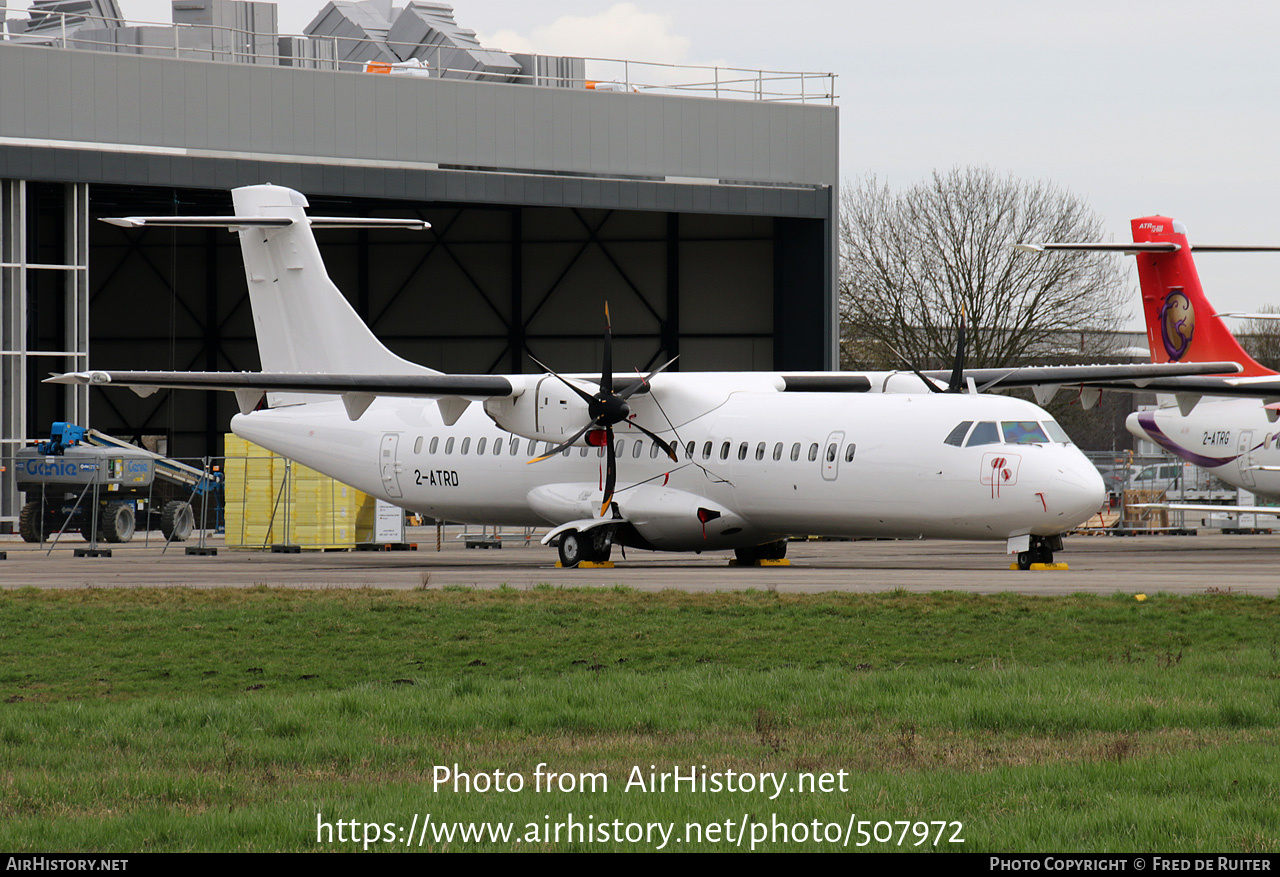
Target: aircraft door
1246,457
831,456
389,463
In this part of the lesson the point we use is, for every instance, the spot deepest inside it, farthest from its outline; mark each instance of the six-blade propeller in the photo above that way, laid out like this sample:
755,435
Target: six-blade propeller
605,409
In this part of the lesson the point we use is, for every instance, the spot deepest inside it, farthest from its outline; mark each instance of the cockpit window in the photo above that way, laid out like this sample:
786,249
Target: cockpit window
1024,432
1056,432
956,436
984,433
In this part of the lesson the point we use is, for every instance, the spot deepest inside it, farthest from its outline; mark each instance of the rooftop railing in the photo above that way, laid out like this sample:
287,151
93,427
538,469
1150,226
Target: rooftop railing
219,43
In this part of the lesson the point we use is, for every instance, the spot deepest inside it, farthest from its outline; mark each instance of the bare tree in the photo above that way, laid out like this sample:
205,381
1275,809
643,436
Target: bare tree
912,261
1261,338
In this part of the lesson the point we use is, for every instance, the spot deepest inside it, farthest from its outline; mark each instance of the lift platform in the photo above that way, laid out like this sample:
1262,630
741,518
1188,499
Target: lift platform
104,488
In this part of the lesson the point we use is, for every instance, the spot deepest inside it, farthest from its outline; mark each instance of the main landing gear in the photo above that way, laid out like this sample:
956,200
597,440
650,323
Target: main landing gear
593,546
1041,551
756,553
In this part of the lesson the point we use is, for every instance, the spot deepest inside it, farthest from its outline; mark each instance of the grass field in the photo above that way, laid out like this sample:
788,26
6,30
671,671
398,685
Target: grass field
176,719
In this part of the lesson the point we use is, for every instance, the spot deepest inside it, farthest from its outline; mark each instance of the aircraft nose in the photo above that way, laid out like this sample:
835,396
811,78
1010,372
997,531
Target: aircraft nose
1078,491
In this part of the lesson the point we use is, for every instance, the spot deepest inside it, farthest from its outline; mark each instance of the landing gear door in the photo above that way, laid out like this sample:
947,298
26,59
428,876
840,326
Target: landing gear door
1245,449
389,464
831,456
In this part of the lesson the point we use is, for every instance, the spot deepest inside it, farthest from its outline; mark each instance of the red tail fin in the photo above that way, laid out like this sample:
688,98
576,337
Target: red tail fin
1181,324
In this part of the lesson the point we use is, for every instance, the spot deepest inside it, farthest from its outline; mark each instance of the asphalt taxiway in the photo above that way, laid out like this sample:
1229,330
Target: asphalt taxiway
1144,564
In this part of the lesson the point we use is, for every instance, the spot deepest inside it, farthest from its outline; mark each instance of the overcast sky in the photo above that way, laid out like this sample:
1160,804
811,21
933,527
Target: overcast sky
1138,107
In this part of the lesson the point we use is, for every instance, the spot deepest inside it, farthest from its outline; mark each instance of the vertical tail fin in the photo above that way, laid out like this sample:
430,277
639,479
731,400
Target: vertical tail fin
1181,324
303,322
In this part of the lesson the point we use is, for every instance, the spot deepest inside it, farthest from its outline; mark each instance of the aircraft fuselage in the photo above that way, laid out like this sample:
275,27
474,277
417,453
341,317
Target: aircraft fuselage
769,464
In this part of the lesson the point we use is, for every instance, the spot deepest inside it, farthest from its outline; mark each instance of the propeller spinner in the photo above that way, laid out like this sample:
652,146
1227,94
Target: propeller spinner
607,408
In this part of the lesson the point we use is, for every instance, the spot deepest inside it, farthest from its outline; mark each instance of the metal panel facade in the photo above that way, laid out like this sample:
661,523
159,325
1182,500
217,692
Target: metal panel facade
53,94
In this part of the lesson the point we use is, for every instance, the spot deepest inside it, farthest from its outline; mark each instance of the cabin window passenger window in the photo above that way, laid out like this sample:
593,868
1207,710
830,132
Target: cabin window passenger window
742,451
497,446
417,445
653,451
635,449
777,451
813,452
435,443
515,446
479,446
724,451
795,452
956,436
533,447
448,445
760,451
849,452
1024,432
688,450
831,452
584,452
984,433
706,451
617,451
466,445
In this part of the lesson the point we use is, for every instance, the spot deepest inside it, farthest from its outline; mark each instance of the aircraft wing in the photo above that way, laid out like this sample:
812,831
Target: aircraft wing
1137,377
427,386
357,391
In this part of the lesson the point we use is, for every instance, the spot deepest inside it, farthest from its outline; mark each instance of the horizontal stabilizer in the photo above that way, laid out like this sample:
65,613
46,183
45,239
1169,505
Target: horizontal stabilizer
1151,247
1212,509
233,222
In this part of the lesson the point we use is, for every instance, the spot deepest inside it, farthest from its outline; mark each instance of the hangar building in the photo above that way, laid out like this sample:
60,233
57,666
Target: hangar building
700,202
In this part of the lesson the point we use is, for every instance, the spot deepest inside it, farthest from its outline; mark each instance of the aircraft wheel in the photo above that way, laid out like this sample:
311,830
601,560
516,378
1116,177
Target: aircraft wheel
768,551
572,548
773,550
177,521
117,522
1024,560
601,543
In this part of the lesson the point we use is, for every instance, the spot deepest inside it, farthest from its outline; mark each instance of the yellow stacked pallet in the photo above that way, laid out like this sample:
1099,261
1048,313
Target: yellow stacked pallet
320,513
251,493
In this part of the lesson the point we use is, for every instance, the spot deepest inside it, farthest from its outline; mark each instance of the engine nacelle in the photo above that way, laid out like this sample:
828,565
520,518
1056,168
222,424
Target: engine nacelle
547,410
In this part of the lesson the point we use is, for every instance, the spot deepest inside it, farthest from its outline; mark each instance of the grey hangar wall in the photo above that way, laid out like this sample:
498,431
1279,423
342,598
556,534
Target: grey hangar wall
708,225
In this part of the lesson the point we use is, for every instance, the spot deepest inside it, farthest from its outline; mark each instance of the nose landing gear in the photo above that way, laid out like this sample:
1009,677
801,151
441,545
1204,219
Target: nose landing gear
1041,551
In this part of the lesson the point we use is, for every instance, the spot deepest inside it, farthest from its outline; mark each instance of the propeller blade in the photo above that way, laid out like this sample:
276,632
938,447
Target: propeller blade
644,381
606,372
956,384
933,388
662,443
583,394
551,453
610,474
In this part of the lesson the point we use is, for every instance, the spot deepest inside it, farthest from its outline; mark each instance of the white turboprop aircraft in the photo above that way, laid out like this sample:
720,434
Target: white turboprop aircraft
727,460
1203,420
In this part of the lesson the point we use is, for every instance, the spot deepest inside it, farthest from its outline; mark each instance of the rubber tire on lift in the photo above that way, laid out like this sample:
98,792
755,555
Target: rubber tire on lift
177,521
30,519
117,523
